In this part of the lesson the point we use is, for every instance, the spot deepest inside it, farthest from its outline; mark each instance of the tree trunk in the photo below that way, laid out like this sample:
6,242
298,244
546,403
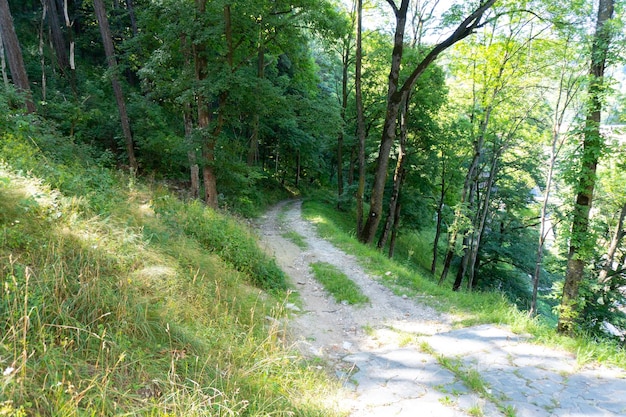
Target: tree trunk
69,24
14,55
107,41
360,118
460,273
253,149
396,226
398,177
442,195
473,258
194,169
394,100
615,241
466,196
344,105
395,96
42,59
554,147
298,167
3,64
131,15
580,241
58,40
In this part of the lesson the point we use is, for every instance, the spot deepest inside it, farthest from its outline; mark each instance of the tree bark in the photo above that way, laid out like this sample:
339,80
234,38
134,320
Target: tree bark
394,100
360,119
58,40
253,149
395,95
194,169
131,15
592,147
615,241
3,63
105,32
14,55
345,62
396,225
398,177
439,212
478,234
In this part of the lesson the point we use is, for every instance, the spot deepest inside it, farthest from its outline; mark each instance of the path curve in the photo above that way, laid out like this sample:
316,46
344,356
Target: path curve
378,350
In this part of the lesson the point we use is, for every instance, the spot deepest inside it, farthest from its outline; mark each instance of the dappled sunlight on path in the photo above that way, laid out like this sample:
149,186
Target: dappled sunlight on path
390,353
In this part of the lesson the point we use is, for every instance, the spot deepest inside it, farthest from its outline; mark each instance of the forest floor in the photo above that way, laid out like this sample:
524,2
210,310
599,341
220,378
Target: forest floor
396,356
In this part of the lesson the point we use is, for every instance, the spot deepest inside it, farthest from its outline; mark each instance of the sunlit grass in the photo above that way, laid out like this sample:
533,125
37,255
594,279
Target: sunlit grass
342,288
131,309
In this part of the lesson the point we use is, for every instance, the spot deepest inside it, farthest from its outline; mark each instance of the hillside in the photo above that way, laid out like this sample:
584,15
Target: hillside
120,299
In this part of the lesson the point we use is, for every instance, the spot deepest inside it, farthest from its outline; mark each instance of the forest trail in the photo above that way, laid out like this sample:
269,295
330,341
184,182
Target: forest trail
383,375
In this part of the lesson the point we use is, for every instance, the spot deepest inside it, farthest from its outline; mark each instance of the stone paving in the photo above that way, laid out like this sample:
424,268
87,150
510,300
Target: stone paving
522,379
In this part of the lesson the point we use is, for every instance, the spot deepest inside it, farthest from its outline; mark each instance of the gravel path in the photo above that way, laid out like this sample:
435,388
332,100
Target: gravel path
384,375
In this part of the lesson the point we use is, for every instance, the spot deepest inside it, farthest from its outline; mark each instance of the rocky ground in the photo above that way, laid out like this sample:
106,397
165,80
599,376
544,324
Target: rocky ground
388,353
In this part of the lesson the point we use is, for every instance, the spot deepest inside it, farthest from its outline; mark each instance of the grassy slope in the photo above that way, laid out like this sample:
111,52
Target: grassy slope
119,299
471,308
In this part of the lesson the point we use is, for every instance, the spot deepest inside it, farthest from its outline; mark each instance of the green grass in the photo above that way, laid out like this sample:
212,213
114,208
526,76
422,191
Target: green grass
476,411
338,284
469,308
119,299
295,238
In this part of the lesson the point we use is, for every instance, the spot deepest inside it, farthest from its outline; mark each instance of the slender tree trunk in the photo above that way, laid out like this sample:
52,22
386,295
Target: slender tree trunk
14,55
298,167
580,241
42,59
131,15
360,118
554,147
396,225
69,24
463,266
398,177
473,259
442,195
614,245
3,63
394,100
253,149
105,32
58,40
204,120
395,95
194,169
542,228
466,196
344,106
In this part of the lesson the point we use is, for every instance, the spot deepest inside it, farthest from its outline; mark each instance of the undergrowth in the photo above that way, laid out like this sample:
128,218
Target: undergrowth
119,299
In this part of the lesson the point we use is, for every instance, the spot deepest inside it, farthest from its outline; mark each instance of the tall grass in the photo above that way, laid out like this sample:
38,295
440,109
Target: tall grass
121,300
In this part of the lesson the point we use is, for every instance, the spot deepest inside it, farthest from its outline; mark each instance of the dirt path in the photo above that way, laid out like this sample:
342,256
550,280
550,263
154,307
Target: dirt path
387,373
